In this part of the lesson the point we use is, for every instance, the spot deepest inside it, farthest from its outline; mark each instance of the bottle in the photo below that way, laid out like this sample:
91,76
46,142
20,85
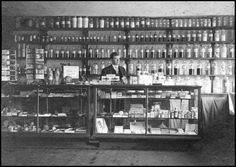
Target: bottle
146,52
195,51
214,68
91,23
63,22
188,52
210,38
102,23
181,53
141,53
176,68
229,69
214,22
57,53
199,69
117,23
170,52
130,53
208,69
137,23
74,53
158,53
204,36
161,69
141,38
163,53
189,36
223,68
80,22
224,51
217,51
74,22
43,23
223,35
135,53
67,53
79,53
62,53
122,23
217,35
112,23
176,52
231,51
152,53
199,36
124,52
103,53
191,69
142,24
203,52
57,22
146,38
133,38
85,22
90,54
148,22
209,51
127,23
108,53
168,70
184,69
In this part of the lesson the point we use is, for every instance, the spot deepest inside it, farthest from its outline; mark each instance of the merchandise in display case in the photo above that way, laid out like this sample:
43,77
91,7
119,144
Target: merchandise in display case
46,110
139,111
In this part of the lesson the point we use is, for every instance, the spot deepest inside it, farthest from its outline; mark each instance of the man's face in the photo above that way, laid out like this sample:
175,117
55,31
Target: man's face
116,60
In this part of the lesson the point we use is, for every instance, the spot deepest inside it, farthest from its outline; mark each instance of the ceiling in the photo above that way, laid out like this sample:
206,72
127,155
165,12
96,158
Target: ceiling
117,8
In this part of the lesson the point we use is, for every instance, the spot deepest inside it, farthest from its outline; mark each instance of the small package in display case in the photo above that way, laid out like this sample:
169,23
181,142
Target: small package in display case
101,125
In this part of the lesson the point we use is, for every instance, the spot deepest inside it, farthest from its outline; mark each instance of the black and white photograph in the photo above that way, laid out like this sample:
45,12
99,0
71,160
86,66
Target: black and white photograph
118,83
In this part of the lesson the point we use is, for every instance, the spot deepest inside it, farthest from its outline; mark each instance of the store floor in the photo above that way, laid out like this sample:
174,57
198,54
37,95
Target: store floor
108,153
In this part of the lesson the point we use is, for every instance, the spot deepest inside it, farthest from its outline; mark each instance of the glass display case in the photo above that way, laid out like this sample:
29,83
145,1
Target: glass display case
53,110
138,111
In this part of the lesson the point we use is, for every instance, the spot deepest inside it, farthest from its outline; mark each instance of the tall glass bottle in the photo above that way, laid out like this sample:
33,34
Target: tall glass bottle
146,52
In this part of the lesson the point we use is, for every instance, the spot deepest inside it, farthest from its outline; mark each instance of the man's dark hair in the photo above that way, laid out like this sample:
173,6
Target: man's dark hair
113,54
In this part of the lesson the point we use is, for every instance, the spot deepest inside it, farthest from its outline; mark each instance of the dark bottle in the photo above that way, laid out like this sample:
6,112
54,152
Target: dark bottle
176,51
146,38
68,53
164,53
51,23
168,69
68,22
160,37
136,38
142,38
79,53
155,38
169,37
74,53
90,53
133,38
176,68
164,38
107,23
128,37
63,22
191,70
183,38
181,53
43,22
97,25
169,55
91,23
151,37
152,53
62,55
57,22
57,53
146,52
119,38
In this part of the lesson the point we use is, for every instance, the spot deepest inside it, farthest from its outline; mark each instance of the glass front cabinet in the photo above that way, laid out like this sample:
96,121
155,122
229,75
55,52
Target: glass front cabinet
138,111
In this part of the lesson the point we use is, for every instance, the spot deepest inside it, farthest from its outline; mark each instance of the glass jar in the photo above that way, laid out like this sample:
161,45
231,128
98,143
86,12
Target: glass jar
199,36
127,23
132,24
80,22
85,22
102,23
137,23
204,36
74,22
194,36
224,51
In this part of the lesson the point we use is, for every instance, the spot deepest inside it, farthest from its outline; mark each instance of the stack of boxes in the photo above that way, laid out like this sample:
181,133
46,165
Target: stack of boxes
9,65
136,110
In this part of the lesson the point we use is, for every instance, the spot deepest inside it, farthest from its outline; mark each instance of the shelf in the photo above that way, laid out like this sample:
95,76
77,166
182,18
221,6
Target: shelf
129,43
125,29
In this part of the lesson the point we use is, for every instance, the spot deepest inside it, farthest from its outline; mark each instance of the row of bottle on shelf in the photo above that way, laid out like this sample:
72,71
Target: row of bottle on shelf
185,68
121,22
189,36
188,51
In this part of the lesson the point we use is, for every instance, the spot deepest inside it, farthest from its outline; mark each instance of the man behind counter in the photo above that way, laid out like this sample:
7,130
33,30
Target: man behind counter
114,68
